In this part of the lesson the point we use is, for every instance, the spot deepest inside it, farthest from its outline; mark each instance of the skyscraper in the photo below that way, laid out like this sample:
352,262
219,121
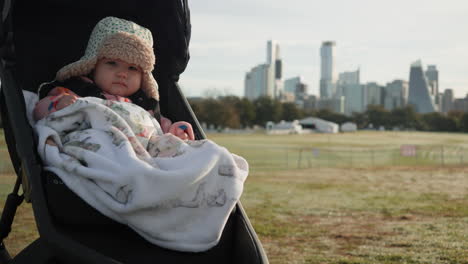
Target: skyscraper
327,70
265,79
447,101
395,94
348,86
256,82
296,87
346,79
461,104
419,94
275,84
432,75
373,94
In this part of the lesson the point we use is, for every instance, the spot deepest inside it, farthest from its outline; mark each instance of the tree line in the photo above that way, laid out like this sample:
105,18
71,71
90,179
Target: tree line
235,112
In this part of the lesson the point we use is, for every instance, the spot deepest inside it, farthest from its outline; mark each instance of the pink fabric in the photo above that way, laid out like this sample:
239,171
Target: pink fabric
116,98
47,105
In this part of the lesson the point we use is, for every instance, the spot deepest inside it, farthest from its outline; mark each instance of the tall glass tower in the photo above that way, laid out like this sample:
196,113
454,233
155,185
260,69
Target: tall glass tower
432,75
275,73
327,70
419,92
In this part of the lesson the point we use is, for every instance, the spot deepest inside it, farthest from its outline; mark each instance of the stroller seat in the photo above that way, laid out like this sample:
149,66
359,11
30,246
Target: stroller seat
39,37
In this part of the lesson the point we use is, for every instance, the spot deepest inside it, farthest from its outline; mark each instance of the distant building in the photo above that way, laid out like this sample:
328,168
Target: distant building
447,101
333,104
461,104
327,70
419,93
432,75
287,97
345,79
290,85
311,102
265,79
349,77
353,98
395,94
256,82
373,94
276,69
348,86
297,88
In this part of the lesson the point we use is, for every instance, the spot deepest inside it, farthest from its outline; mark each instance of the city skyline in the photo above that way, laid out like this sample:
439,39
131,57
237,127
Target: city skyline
381,39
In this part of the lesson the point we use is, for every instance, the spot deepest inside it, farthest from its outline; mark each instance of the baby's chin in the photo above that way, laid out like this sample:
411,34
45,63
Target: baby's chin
119,90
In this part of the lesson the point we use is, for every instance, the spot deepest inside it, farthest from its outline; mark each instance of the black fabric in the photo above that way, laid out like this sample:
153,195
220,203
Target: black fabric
83,223
119,244
76,85
50,34
67,208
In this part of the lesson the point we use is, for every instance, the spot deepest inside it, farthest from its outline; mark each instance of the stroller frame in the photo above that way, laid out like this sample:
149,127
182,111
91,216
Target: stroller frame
54,244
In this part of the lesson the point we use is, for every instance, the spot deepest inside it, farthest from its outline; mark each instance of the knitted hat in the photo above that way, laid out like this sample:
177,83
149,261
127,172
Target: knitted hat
116,38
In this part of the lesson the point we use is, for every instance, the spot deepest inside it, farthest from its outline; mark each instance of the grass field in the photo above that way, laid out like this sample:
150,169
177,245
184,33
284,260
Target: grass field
365,214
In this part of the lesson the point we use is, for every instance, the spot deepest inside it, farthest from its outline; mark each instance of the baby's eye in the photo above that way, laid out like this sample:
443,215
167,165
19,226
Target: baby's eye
111,63
133,68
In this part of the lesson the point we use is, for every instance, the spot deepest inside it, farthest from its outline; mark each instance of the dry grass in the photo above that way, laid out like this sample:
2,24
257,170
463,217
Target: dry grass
338,215
24,226
361,139
391,215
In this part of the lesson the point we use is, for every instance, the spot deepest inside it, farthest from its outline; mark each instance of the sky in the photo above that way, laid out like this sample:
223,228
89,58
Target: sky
382,38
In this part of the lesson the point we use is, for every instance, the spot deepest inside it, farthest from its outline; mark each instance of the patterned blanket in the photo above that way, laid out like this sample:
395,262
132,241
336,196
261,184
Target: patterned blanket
176,194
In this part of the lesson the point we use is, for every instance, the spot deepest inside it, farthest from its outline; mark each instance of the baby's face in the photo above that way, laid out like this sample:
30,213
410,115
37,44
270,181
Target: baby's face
117,77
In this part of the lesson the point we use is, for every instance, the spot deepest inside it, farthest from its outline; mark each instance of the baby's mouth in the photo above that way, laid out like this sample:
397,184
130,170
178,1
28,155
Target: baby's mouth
120,83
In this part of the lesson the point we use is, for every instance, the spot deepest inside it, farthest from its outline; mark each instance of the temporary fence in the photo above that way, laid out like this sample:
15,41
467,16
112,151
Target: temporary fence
287,158
317,157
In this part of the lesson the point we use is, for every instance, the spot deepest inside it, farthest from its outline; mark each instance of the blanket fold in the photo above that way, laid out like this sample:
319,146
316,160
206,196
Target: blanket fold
176,194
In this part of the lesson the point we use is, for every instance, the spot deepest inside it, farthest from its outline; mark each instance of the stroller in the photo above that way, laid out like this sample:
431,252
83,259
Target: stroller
36,39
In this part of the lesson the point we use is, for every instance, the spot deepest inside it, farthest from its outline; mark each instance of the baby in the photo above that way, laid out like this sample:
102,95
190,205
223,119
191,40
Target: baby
117,66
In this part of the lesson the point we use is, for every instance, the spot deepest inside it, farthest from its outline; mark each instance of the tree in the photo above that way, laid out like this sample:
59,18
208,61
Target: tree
464,122
406,117
361,119
438,122
332,116
267,109
290,112
456,116
246,110
378,116
229,116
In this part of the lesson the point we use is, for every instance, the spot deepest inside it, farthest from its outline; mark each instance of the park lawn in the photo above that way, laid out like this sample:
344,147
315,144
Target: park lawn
383,214
360,139
344,150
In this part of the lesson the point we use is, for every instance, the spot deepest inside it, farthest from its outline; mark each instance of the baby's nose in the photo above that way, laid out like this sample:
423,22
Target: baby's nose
122,73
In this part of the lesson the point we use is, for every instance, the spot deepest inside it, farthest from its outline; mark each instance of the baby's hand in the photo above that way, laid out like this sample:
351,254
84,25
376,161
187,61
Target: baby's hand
65,100
165,124
51,142
182,130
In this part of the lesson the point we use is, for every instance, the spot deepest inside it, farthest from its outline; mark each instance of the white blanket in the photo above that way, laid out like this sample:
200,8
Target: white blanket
176,194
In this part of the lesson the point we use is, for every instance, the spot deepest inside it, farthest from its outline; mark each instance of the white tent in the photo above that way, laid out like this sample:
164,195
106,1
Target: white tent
283,127
319,125
348,127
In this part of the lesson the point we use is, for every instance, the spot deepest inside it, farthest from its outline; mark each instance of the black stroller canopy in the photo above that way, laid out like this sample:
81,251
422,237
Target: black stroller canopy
51,34
40,37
